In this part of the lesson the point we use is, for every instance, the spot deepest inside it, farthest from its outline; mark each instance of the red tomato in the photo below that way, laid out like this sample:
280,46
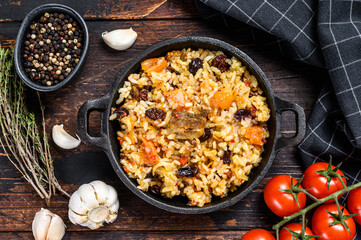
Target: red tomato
282,203
296,227
321,221
318,183
354,203
258,234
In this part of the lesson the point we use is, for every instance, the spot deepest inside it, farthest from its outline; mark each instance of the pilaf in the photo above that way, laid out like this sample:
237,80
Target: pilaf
193,123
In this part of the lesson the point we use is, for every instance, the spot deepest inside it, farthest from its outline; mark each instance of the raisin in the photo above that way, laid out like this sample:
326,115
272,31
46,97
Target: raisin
173,71
220,63
206,135
173,86
151,176
187,171
194,65
227,157
155,113
253,93
148,88
195,171
134,92
242,114
155,189
121,112
143,94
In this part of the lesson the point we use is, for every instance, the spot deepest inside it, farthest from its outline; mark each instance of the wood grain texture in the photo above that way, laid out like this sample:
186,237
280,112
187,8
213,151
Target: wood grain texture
135,235
137,219
15,10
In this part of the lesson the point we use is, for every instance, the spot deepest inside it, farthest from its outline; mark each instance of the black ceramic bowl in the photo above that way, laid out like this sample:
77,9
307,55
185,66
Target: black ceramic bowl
34,15
107,138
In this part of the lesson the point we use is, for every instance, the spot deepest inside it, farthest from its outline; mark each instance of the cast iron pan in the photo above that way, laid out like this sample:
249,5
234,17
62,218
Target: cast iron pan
106,140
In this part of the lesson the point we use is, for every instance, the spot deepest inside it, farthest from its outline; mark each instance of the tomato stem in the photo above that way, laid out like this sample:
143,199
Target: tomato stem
309,194
317,202
303,232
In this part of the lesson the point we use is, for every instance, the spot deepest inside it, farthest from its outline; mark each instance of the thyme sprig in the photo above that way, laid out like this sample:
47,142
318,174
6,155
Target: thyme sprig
25,146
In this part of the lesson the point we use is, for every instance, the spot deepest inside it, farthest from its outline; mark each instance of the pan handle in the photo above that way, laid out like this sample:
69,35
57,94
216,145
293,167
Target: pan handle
99,105
282,106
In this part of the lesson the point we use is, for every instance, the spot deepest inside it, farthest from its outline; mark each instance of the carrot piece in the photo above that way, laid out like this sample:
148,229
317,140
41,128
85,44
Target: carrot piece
154,65
183,160
177,97
255,135
131,137
173,55
149,152
120,140
222,99
125,169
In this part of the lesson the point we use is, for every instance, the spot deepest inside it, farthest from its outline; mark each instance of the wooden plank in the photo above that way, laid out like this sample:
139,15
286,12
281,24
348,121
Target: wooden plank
18,202
15,10
130,235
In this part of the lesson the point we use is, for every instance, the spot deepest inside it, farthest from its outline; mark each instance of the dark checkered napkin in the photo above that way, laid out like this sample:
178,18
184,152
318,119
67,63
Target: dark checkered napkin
320,33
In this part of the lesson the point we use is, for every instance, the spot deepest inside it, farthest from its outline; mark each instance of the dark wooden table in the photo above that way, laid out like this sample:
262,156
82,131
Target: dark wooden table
154,21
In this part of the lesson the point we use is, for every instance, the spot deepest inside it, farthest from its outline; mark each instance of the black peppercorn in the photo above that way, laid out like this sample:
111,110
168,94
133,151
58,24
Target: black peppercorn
28,64
43,19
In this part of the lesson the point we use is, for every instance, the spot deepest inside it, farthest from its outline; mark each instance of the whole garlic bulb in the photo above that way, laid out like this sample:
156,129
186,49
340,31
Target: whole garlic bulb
120,39
48,226
93,204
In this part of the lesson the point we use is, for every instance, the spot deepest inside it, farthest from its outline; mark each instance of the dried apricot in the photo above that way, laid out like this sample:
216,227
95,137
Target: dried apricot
222,99
173,55
255,135
154,65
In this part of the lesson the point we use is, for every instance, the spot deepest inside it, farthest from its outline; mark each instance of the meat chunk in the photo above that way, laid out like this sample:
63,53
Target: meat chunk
188,125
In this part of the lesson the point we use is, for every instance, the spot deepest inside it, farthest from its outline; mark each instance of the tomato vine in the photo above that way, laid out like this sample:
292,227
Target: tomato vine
317,202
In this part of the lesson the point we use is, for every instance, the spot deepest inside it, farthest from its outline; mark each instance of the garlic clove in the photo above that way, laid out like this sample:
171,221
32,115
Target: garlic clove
64,139
111,218
101,191
88,196
115,207
77,218
48,226
76,203
56,228
93,225
113,212
120,39
112,195
41,224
